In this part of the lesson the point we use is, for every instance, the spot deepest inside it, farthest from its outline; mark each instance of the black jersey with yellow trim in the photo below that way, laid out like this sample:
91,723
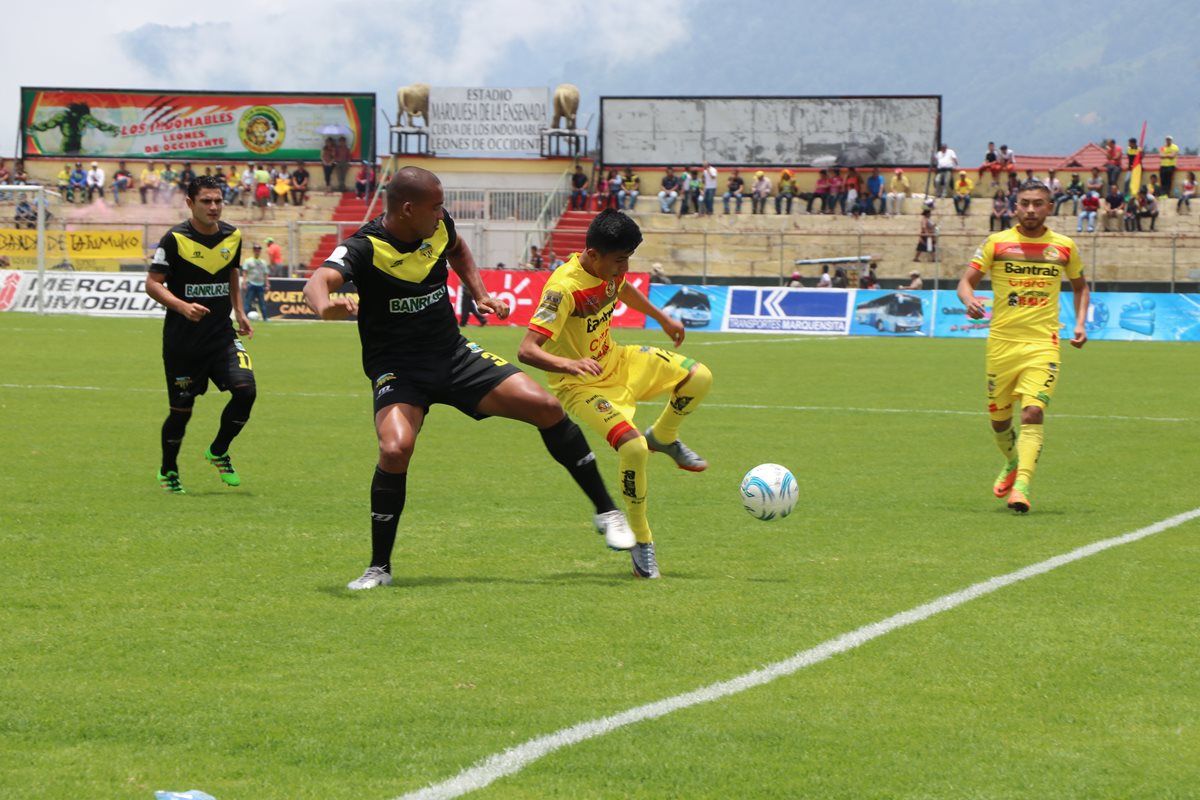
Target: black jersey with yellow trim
198,268
404,309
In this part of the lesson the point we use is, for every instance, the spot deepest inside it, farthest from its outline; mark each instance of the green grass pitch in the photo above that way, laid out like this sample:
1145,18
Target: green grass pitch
156,642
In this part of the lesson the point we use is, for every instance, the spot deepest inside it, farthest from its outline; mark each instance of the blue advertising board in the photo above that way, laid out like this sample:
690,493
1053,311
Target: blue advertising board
782,310
1136,317
700,308
879,312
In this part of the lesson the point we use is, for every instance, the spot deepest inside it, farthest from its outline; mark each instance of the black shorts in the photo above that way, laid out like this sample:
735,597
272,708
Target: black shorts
188,377
461,380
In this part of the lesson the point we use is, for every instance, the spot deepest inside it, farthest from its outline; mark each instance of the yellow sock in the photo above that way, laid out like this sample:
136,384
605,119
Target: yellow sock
1006,441
631,458
683,401
1029,449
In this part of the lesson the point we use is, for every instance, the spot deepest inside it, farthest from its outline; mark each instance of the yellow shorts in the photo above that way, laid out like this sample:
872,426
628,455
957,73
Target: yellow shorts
607,405
1026,371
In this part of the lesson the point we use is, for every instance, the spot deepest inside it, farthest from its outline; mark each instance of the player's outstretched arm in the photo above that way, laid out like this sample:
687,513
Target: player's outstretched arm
320,285
976,308
632,297
462,261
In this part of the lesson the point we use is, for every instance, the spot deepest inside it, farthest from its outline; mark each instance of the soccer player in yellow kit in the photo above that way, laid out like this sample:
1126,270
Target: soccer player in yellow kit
1026,265
600,382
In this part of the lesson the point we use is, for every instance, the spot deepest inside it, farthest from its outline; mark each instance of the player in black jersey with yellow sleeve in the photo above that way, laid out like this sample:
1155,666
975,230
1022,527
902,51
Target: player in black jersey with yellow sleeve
414,355
194,275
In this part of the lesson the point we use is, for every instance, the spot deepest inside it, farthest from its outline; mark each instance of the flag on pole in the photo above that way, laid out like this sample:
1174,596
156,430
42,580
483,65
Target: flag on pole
1135,169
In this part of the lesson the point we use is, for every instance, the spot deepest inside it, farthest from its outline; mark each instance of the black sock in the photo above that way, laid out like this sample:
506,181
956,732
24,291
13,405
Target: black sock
233,418
172,437
387,501
568,446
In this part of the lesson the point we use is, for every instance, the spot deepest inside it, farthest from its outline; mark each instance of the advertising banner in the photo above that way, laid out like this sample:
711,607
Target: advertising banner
178,126
951,318
782,310
700,308
880,312
21,246
101,293
1131,317
497,121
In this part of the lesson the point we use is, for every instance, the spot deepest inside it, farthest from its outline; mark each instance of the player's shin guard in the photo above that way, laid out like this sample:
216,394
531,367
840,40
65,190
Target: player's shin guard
388,491
233,418
631,458
1029,449
1006,442
683,401
569,447
172,437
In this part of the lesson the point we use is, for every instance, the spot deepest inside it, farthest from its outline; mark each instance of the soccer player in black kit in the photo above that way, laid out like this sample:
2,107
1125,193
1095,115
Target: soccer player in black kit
414,355
194,274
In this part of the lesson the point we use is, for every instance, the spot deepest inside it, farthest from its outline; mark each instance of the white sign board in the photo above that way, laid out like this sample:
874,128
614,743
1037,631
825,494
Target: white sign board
746,131
506,122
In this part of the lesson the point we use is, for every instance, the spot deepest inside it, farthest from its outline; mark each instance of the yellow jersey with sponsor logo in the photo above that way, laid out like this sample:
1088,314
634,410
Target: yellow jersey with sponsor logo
575,313
1027,275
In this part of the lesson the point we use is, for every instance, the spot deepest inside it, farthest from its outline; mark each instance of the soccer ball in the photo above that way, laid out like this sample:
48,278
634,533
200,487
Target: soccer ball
769,491
253,315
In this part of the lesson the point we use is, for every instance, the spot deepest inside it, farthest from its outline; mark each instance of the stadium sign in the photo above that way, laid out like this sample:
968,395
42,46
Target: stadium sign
180,126
471,121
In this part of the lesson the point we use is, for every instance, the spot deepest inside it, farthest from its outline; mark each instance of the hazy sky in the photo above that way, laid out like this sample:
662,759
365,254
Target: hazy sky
1039,75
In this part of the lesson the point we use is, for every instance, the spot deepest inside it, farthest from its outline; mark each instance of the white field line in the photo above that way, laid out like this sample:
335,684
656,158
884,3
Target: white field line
517,758
737,406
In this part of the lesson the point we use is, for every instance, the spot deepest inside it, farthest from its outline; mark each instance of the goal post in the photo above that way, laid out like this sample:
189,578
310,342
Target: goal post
24,214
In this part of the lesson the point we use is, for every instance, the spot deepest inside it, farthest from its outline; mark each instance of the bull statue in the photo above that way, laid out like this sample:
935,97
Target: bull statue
412,102
566,104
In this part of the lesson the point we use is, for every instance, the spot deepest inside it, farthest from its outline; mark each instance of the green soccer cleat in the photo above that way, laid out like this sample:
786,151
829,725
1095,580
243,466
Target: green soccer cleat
1018,498
1004,481
170,483
224,467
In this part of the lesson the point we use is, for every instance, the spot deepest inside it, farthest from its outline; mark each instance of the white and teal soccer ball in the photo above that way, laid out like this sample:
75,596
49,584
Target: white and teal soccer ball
769,491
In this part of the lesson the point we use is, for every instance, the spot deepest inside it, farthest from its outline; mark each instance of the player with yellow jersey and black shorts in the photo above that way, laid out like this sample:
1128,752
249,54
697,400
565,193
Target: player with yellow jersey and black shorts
601,382
415,357
1026,265
194,274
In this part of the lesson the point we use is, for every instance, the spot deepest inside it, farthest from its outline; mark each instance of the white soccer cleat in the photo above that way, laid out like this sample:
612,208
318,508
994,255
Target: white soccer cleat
617,533
645,565
374,576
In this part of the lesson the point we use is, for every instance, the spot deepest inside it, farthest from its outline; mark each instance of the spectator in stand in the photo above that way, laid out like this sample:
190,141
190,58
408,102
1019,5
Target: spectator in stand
362,181
282,186
1167,155
836,195
1132,223
1008,163
759,192
915,284
795,282
341,162
1000,219
19,176
1074,191
262,191
95,181
1147,208
168,185
579,192
785,191
899,190
328,162
535,261
709,174
1114,208
552,260
669,192
25,215
631,186
299,184
820,192
186,176
122,180
77,183
868,280
247,184
851,189
63,181
693,192
734,189
606,193
875,202
275,258
223,181
963,187
1112,162
1186,192
1095,183
1014,183
824,280
1154,188
1132,152
1091,207
946,161
927,239
839,279
1057,192
991,163
148,182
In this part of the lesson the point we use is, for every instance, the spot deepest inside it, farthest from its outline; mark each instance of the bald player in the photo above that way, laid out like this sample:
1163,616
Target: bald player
415,356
